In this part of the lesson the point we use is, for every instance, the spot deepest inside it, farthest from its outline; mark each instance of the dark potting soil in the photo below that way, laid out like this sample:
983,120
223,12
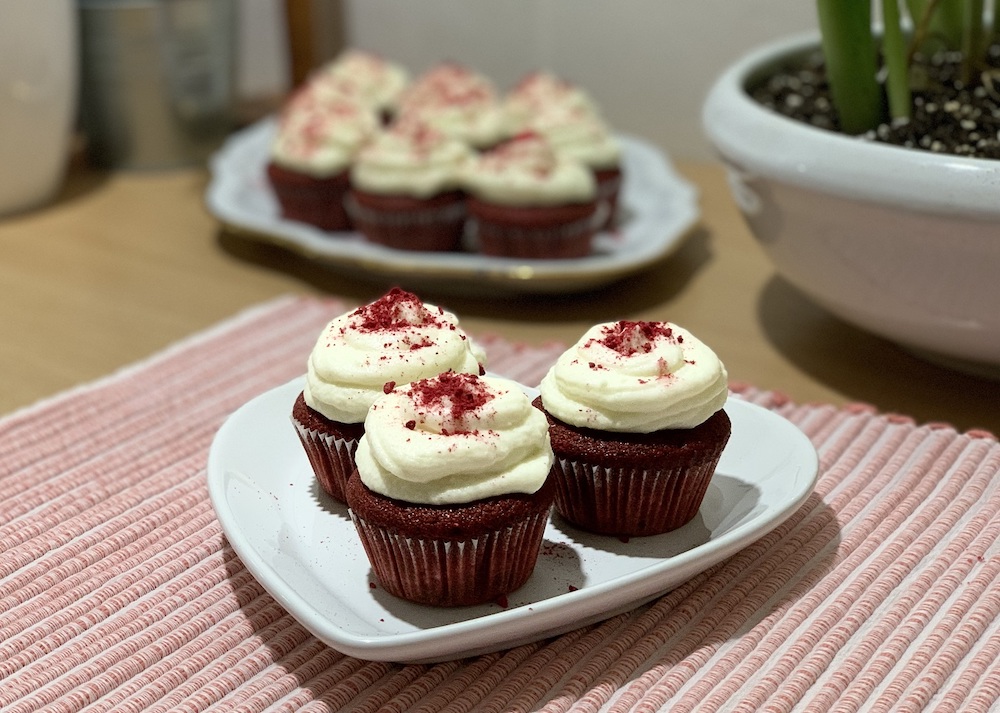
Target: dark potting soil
948,116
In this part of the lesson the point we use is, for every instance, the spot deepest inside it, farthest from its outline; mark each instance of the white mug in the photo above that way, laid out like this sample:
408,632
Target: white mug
38,99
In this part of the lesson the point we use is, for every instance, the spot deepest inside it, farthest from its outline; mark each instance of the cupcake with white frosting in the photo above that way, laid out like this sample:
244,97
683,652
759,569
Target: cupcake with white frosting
311,155
458,102
583,136
453,489
406,188
369,78
528,201
360,355
539,92
637,424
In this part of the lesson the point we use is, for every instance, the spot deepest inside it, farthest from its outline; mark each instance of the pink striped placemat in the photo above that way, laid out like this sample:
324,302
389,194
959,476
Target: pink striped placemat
118,591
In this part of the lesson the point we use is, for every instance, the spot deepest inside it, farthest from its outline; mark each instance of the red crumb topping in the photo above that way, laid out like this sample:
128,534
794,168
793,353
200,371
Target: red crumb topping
388,387
628,338
462,394
396,310
528,150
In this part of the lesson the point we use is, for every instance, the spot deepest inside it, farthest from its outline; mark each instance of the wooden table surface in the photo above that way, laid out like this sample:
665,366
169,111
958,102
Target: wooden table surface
125,263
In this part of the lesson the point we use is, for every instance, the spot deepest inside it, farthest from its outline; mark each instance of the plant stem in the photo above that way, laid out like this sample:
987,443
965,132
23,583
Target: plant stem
851,62
973,39
897,82
948,22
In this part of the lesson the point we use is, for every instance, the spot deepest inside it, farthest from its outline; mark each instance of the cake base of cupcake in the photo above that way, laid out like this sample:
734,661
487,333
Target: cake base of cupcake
329,445
316,201
405,223
451,555
634,484
533,231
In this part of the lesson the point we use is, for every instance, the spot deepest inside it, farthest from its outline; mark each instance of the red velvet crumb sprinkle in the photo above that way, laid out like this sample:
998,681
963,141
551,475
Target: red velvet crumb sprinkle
628,338
388,313
464,392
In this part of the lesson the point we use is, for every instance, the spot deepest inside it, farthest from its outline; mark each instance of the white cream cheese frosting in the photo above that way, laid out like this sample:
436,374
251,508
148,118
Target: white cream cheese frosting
527,171
394,340
410,158
579,135
454,439
636,377
320,137
458,102
540,91
369,77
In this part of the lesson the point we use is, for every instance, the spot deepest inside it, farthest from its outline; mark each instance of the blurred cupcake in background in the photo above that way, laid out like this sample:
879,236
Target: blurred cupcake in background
458,102
528,201
584,136
406,188
309,162
541,91
367,77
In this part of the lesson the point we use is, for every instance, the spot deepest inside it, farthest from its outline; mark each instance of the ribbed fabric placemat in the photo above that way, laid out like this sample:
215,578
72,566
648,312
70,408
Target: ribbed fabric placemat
118,591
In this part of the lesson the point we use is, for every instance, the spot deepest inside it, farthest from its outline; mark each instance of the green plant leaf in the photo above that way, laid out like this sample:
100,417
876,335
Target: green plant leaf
894,50
851,56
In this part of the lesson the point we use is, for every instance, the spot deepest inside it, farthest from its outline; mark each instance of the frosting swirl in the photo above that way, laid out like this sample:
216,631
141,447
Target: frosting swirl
527,171
579,135
319,136
396,339
458,102
635,377
454,438
540,91
371,78
410,158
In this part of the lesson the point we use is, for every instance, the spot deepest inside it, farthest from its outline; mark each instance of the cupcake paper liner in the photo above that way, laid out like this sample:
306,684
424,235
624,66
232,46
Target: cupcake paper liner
564,240
432,216
316,201
632,502
437,228
331,458
453,572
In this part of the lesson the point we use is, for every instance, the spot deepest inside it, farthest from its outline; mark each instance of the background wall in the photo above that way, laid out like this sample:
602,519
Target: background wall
649,63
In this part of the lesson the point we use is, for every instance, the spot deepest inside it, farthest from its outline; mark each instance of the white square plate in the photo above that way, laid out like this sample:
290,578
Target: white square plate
302,547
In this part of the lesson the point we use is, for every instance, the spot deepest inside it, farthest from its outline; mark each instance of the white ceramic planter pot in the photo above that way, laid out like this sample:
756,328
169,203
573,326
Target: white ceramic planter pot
900,242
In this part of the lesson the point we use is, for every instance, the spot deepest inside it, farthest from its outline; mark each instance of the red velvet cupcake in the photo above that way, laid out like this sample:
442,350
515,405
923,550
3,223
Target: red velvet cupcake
572,122
358,355
310,158
453,489
526,201
634,484
457,101
637,424
405,188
